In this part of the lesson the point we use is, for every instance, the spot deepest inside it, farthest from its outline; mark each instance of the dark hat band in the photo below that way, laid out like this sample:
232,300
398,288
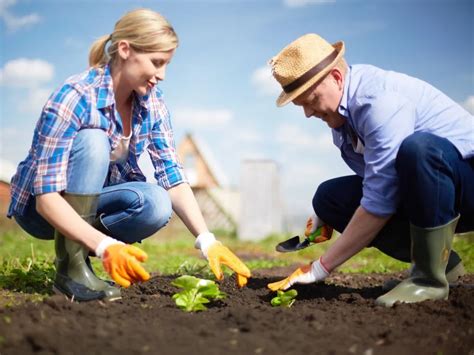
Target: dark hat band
303,79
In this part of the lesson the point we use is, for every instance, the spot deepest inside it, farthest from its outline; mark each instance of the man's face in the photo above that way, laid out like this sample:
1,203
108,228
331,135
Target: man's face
323,100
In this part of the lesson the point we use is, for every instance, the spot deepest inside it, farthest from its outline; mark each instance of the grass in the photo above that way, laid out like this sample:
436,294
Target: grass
27,264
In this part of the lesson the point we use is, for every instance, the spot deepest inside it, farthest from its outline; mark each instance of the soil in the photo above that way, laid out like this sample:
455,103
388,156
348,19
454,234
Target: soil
339,316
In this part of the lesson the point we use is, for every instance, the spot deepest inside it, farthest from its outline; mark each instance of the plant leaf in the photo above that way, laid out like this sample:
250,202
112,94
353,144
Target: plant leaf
186,282
196,292
284,299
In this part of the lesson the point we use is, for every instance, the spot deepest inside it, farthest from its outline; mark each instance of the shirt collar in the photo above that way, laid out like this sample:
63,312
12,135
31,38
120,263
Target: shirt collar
343,106
105,94
143,101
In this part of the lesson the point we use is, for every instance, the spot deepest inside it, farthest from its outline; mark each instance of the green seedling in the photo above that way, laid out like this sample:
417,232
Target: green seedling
196,293
284,299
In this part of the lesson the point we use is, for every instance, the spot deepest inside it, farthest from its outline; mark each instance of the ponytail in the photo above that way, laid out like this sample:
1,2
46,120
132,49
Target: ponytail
145,30
97,55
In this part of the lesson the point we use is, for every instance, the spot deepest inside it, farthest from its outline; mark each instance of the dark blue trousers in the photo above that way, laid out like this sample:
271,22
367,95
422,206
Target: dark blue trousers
436,184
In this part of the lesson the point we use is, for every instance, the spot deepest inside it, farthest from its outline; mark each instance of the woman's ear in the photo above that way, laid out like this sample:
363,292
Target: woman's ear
123,49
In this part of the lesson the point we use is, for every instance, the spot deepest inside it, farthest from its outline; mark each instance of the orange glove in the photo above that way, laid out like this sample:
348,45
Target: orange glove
304,275
217,254
316,231
122,261
241,280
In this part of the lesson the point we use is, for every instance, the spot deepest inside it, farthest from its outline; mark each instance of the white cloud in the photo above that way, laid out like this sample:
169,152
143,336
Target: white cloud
300,3
15,141
14,22
202,118
264,82
468,104
250,154
75,43
4,4
295,136
35,101
26,73
249,135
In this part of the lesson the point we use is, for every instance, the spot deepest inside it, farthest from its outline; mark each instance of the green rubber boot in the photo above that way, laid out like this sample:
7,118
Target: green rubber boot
454,271
74,278
430,253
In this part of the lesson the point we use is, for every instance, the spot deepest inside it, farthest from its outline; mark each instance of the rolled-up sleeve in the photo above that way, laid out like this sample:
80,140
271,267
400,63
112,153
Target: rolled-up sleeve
56,129
169,171
386,120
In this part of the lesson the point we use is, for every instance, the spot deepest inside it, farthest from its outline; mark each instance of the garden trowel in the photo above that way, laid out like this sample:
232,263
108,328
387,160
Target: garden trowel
292,244
316,232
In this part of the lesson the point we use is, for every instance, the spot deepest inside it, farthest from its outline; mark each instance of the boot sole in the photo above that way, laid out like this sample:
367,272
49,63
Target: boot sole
58,291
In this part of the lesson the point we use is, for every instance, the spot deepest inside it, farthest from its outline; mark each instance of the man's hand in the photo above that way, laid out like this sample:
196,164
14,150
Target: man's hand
217,254
316,230
304,275
122,261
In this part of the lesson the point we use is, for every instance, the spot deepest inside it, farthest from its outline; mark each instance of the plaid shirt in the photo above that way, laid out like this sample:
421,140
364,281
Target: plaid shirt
87,101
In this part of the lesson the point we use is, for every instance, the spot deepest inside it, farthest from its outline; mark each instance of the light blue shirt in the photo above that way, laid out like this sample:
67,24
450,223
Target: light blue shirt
382,108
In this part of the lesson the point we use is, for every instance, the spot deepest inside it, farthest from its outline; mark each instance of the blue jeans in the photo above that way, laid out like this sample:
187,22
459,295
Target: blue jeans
131,211
436,185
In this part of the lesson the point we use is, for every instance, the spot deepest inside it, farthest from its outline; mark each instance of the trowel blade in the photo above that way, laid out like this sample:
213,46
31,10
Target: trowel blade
292,244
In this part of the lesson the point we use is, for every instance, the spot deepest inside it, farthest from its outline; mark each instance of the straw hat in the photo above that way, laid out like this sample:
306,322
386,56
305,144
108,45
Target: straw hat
302,63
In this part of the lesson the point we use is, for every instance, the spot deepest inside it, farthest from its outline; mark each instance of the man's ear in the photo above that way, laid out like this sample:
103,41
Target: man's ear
338,77
123,49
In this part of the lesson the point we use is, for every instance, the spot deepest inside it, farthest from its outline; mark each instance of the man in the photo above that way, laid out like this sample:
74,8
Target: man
412,149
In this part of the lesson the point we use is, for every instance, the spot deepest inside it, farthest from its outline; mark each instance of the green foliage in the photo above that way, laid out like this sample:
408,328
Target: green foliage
284,299
197,268
31,278
196,293
27,264
266,263
464,244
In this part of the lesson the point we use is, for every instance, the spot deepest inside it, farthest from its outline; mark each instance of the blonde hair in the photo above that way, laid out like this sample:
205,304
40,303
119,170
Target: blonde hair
145,30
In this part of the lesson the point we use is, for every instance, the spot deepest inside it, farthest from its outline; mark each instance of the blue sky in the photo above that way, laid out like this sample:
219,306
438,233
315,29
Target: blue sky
218,85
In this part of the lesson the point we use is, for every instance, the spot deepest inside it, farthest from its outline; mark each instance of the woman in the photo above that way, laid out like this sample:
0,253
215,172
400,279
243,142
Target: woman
80,183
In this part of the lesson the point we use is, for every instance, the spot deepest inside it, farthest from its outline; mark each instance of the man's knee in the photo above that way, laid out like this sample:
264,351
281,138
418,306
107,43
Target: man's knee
336,200
414,150
322,196
324,205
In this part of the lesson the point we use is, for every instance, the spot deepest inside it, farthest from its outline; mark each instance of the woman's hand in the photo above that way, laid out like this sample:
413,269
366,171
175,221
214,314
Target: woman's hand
122,262
217,254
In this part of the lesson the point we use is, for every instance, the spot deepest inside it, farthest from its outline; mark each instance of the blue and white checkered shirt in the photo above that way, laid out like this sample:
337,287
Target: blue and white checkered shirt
87,101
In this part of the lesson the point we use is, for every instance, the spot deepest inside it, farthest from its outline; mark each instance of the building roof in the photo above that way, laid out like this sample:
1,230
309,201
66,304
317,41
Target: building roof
209,159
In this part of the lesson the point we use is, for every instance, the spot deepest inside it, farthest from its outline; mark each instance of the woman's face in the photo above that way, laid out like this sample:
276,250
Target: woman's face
142,71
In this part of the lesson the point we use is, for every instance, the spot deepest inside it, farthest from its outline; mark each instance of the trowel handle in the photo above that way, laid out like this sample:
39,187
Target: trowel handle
321,234
312,225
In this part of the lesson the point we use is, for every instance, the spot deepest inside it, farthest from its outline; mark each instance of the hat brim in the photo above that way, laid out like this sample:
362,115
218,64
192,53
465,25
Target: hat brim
285,97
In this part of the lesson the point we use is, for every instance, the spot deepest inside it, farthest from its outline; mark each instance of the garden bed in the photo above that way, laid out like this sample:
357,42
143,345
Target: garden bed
339,316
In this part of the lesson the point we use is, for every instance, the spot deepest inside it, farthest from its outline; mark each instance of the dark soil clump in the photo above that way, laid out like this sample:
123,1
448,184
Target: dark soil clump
339,316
